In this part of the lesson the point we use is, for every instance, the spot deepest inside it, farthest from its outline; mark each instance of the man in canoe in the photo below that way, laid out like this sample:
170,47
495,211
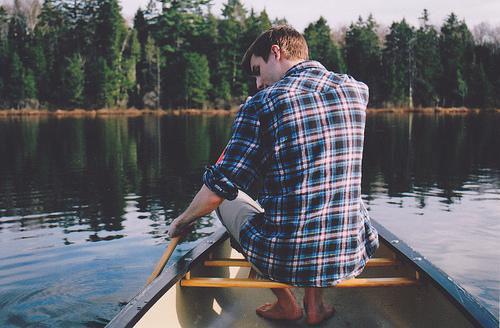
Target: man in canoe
302,135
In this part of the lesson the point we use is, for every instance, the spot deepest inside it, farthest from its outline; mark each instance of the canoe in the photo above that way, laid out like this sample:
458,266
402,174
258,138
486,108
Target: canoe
210,287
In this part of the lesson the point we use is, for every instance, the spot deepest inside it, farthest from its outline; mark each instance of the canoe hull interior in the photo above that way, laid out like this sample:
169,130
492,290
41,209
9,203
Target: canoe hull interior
422,305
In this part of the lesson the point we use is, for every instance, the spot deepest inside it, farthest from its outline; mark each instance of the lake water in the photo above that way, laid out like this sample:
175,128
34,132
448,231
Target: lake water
84,203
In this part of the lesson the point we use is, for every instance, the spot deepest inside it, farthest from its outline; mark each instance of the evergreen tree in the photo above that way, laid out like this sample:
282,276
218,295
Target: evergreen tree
232,86
484,74
398,64
29,84
481,91
38,64
78,28
108,84
48,36
456,47
495,74
207,45
427,69
280,21
145,68
179,23
321,46
127,62
363,56
152,71
21,45
73,86
17,34
104,64
110,30
14,81
4,25
254,26
19,80
196,80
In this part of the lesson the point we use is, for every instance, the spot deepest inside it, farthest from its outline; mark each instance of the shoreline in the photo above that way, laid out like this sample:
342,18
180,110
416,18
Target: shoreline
133,112
129,112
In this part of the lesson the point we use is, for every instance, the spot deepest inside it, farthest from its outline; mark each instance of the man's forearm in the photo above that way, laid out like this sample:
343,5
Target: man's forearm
202,204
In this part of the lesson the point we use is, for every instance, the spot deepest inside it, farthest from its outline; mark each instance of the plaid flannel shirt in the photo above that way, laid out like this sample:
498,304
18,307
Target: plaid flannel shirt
304,136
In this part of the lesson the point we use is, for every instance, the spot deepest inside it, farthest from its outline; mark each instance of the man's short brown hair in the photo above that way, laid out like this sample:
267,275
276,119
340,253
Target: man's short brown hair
292,44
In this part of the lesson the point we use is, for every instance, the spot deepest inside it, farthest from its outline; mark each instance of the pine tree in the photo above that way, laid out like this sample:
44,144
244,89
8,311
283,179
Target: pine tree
48,36
29,84
363,56
254,26
495,74
207,45
232,86
76,35
145,65
14,81
104,61
127,62
179,23
321,46
280,21
427,69
398,64
108,93
484,73
38,64
481,91
17,34
4,21
456,47
73,86
196,80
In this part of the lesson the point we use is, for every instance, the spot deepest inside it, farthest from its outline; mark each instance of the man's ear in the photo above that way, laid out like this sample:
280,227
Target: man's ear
276,51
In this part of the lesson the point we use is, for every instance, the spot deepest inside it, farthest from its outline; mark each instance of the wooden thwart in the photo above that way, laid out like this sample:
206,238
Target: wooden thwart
252,283
242,263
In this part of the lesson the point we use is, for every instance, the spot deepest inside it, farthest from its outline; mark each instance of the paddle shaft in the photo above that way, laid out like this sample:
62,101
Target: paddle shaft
164,259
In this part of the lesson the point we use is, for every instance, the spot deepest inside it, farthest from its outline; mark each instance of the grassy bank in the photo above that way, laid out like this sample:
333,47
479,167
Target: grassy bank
179,112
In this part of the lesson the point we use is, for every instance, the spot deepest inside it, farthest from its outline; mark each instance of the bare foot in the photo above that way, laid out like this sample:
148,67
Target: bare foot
277,312
317,314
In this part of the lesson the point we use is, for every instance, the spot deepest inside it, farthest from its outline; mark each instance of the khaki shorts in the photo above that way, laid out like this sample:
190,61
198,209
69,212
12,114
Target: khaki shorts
234,213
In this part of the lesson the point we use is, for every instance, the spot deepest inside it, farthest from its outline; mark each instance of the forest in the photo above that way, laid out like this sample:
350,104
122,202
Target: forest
67,54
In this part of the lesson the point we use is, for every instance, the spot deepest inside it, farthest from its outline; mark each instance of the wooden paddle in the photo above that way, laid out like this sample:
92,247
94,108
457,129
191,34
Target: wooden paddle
164,259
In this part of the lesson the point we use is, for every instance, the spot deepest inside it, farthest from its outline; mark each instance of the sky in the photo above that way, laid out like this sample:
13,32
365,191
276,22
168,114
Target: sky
338,13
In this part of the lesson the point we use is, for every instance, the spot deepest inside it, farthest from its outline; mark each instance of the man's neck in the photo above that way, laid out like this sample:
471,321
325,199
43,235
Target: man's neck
287,64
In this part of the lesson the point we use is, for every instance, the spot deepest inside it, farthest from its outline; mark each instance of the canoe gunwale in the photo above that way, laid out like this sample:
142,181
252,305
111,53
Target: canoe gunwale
477,314
133,311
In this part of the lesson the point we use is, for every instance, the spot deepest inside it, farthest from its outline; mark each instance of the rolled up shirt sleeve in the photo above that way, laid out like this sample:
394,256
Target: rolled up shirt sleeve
238,167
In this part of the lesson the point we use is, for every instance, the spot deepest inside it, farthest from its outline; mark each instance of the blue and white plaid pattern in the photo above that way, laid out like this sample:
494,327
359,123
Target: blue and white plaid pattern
304,136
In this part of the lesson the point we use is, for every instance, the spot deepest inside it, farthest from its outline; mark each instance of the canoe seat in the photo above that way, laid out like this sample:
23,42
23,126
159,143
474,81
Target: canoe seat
254,282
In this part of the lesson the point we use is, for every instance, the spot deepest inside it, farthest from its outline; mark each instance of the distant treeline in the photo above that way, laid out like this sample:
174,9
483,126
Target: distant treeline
178,54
